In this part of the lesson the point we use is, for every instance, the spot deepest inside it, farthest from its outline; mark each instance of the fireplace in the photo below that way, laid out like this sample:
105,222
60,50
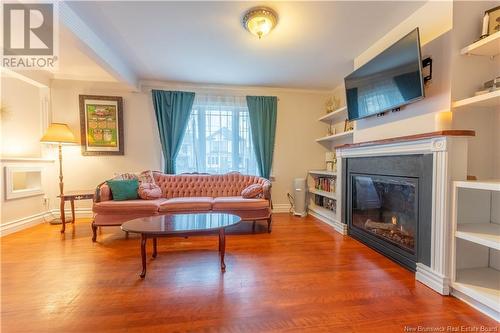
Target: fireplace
389,205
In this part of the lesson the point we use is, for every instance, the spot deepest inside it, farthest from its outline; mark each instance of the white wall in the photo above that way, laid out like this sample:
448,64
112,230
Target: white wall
295,150
24,113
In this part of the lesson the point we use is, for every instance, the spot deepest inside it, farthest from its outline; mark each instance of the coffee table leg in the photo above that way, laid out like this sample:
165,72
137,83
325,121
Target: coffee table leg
222,248
143,255
155,252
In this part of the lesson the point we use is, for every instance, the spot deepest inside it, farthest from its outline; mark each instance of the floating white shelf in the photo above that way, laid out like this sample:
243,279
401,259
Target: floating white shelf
489,185
482,284
335,136
489,46
328,118
490,99
330,195
323,172
487,234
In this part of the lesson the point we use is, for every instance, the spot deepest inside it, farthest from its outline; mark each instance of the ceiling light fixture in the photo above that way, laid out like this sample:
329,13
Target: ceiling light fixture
260,21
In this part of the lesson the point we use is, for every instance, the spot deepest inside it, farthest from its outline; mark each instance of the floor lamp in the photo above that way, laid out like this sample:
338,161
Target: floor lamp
59,134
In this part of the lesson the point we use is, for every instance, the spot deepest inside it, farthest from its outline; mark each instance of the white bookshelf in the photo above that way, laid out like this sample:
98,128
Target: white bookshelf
324,214
490,99
489,46
476,244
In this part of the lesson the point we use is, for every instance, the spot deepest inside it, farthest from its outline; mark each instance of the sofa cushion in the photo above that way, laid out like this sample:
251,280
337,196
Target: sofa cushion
252,191
124,189
187,204
149,191
128,206
238,203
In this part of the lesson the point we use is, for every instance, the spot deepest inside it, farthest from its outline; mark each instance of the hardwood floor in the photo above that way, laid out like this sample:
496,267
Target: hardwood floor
303,277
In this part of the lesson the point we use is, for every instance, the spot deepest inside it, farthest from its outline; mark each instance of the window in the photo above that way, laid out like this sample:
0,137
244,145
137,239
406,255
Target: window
218,137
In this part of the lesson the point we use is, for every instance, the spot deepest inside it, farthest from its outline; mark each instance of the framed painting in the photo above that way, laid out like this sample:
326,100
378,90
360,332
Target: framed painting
101,125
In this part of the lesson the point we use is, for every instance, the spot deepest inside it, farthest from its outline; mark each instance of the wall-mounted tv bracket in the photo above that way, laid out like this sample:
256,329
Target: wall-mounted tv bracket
427,62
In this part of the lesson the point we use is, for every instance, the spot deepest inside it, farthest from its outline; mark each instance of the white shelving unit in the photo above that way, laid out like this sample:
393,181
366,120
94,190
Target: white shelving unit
336,120
326,215
489,46
476,244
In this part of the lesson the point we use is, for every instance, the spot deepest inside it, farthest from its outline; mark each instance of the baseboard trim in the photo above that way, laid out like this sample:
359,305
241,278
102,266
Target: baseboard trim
433,280
338,226
281,208
32,220
476,305
23,223
79,212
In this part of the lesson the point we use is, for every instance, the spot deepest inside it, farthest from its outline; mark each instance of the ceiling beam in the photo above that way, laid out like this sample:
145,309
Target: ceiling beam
96,48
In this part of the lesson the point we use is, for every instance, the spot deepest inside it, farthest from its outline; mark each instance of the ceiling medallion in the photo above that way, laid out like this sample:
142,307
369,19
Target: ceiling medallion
260,21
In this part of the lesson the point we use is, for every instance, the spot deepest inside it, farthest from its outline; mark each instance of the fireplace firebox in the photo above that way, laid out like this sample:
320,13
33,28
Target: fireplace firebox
389,205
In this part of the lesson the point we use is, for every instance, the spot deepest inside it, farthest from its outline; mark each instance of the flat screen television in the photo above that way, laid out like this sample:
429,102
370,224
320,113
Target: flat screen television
390,80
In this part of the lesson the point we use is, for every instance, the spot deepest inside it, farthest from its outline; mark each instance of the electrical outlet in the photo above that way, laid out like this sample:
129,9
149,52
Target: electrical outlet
45,201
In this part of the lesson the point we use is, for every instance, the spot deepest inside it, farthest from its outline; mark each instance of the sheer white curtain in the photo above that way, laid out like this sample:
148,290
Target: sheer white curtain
218,137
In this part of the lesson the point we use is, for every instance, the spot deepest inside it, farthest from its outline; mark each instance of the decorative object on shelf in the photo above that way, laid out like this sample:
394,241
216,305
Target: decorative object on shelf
260,21
348,125
332,130
59,134
331,161
489,86
333,103
493,20
492,84
101,125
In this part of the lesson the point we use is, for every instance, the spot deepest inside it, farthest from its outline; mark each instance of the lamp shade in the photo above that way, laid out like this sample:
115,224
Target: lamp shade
59,133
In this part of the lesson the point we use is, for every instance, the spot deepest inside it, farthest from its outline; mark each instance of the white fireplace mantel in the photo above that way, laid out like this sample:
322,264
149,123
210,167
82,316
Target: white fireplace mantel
449,151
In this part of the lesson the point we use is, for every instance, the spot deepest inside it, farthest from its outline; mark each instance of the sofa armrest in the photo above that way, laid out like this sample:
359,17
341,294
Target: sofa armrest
98,197
266,186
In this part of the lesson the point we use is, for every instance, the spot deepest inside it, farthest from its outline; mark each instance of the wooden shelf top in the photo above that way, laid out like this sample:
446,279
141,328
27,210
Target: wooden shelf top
409,138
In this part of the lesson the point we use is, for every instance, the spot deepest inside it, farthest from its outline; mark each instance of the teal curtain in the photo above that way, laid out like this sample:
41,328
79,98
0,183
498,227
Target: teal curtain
263,113
172,109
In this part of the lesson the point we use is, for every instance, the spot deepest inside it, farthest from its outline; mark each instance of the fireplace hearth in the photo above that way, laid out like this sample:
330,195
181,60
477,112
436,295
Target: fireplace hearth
389,204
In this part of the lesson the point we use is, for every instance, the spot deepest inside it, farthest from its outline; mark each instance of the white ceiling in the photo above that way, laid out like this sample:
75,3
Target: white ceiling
313,45
74,64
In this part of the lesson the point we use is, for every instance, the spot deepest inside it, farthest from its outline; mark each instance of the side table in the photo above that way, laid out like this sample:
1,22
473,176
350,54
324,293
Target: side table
71,197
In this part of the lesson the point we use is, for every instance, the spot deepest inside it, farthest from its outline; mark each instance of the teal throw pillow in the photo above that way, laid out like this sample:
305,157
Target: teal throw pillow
124,189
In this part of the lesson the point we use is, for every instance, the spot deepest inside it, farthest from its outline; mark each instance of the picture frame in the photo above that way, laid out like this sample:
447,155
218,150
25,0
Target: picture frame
101,125
493,20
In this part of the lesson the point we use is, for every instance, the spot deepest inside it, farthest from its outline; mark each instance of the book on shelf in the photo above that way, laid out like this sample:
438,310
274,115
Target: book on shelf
325,202
326,184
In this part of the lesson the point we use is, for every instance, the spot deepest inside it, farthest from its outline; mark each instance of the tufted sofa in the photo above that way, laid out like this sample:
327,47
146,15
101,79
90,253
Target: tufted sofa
188,193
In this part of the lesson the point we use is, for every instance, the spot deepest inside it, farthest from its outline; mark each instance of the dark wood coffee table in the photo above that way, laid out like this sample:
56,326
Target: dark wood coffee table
180,225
